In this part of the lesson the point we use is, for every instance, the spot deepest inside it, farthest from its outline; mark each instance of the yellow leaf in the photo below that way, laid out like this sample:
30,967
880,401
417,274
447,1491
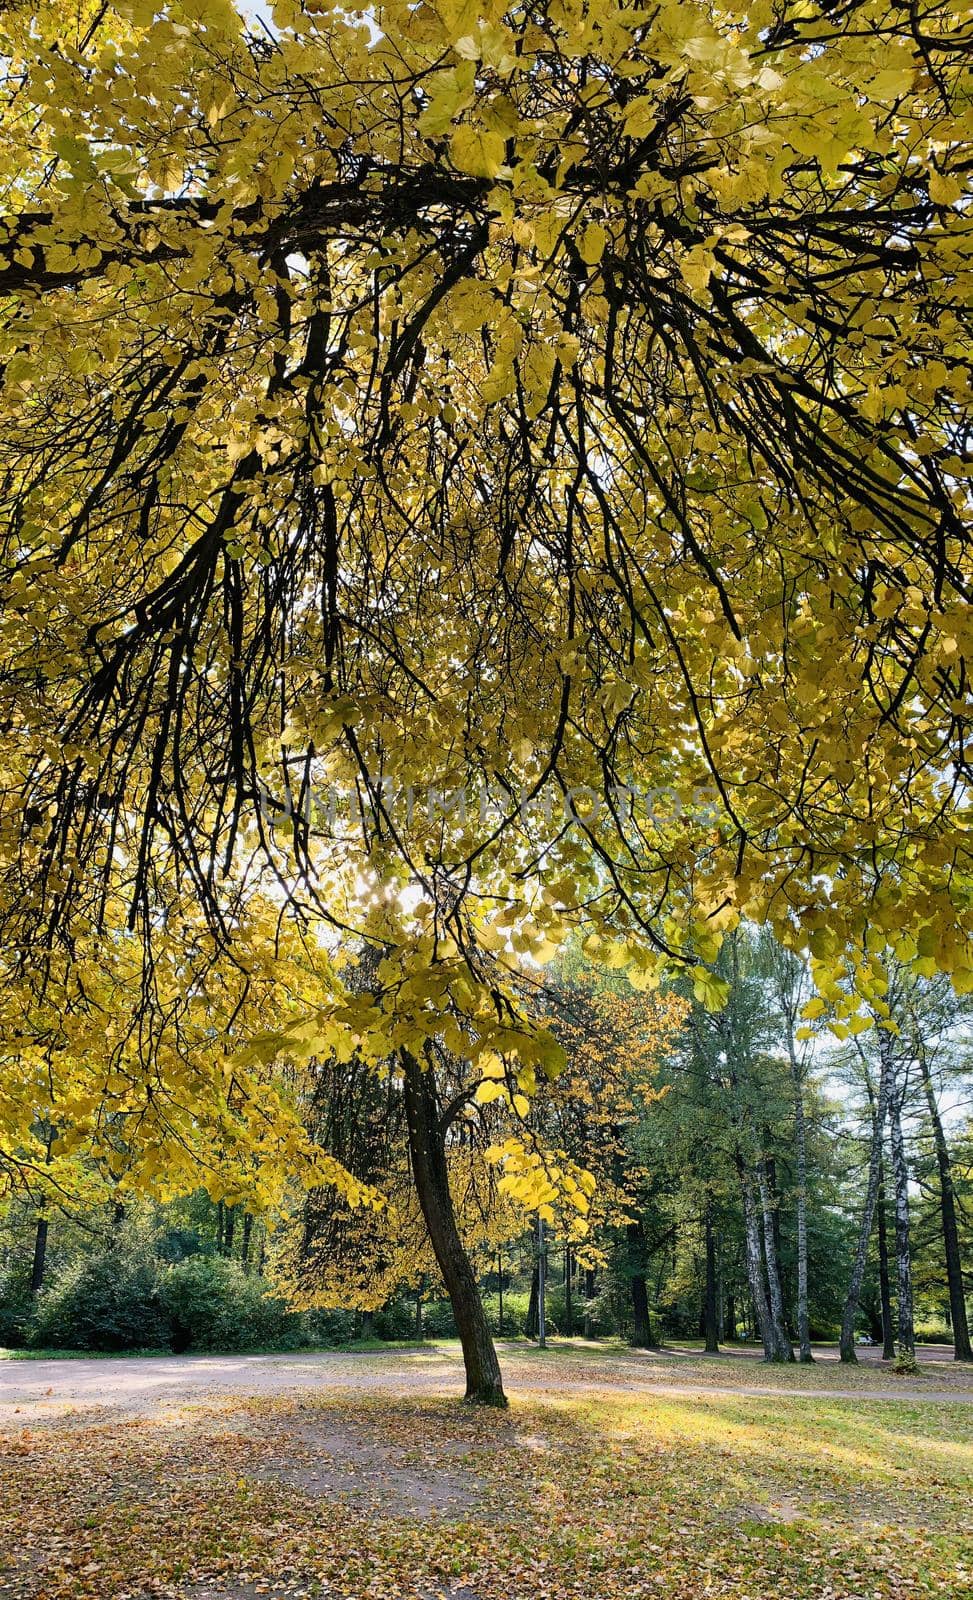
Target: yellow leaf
593,242
476,151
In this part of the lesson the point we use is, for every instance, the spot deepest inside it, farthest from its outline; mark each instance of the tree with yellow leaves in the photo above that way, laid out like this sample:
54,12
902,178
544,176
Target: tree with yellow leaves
472,471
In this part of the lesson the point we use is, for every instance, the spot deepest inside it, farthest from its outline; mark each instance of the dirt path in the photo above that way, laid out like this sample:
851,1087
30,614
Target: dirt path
142,1386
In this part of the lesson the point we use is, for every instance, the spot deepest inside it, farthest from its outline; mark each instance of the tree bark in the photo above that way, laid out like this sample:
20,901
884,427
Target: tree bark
641,1321
568,1293
847,1343
40,1256
885,1293
763,1322
800,1144
541,1285
947,1206
427,1147
589,1295
229,1230
903,1251
530,1324
782,1344
245,1247
710,1315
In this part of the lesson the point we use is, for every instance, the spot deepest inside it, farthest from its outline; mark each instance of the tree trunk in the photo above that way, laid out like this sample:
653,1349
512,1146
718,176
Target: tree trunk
710,1316
885,1296
903,1253
229,1230
800,1143
763,1322
641,1321
769,1165
947,1206
782,1344
730,1318
541,1285
530,1325
641,1324
568,1294
847,1344
247,1233
427,1148
885,1293
40,1256
589,1295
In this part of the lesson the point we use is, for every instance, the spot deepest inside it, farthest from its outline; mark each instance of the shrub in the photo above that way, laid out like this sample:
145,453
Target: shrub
437,1320
212,1304
515,1303
108,1301
933,1330
397,1319
905,1365
328,1327
16,1303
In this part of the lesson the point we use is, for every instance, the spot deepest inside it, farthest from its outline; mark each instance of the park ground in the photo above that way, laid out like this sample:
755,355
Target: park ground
358,1476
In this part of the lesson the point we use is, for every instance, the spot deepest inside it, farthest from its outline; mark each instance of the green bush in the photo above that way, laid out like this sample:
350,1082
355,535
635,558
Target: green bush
212,1304
515,1303
397,1319
933,1330
328,1327
16,1304
437,1320
108,1301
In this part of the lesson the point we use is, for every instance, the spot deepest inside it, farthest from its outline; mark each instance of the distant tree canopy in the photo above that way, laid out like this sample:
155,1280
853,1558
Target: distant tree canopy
467,472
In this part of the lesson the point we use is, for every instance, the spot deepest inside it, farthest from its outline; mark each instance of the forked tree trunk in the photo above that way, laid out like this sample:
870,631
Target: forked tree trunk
783,1350
711,1329
427,1147
847,1343
947,1207
763,1322
903,1251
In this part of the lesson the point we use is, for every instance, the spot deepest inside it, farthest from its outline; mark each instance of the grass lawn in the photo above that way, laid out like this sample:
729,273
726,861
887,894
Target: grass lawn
595,1492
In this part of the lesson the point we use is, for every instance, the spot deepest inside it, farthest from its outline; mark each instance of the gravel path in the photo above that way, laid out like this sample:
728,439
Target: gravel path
142,1386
